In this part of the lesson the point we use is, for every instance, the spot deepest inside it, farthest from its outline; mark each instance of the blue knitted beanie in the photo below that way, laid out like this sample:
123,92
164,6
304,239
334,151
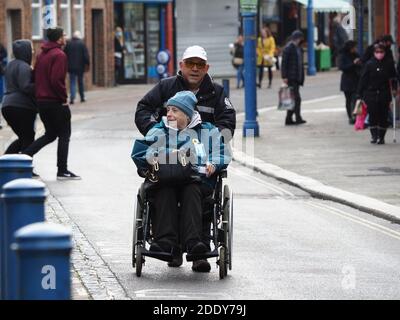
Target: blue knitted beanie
184,101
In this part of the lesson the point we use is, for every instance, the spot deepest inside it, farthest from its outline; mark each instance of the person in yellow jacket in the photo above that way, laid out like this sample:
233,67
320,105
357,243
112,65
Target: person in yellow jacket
265,55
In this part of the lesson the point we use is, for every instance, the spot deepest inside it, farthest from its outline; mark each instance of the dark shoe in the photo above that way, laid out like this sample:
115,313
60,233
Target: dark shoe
67,175
374,135
301,121
352,121
381,136
176,262
83,100
289,122
197,248
160,247
71,102
201,266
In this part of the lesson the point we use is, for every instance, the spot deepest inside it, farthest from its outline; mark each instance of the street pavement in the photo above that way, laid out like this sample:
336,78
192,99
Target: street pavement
307,245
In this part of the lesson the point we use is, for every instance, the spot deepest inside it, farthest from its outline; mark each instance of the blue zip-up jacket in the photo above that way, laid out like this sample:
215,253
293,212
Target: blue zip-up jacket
163,139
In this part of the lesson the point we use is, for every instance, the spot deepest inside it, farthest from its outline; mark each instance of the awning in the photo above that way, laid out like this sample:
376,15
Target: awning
328,5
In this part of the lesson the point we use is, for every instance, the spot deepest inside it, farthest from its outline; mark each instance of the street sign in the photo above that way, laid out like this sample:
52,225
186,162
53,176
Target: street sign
48,16
248,6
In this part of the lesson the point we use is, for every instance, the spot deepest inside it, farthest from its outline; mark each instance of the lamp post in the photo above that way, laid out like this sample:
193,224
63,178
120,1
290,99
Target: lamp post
360,27
312,70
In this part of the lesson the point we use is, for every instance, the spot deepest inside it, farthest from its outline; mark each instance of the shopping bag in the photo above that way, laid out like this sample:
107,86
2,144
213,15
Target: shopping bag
286,99
360,118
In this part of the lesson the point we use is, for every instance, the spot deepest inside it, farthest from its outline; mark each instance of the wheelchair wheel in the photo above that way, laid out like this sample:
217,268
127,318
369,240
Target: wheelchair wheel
228,224
139,261
134,236
223,271
137,224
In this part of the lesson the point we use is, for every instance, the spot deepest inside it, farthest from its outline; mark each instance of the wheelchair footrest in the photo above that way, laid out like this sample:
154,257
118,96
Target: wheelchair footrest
164,256
207,255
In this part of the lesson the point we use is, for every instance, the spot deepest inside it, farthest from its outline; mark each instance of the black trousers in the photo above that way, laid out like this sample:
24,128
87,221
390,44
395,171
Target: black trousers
22,122
57,122
378,110
173,225
261,74
297,106
350,103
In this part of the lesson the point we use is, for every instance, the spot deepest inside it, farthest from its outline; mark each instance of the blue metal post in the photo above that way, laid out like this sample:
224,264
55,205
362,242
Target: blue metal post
43,262
162,28
312,70
47,17
225,84
360,27
23,204
250,126
12,166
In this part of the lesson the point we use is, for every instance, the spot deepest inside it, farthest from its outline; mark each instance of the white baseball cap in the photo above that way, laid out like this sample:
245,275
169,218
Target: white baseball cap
195,52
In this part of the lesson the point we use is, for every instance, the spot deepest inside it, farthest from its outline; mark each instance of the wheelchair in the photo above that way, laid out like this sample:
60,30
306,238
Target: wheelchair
220,205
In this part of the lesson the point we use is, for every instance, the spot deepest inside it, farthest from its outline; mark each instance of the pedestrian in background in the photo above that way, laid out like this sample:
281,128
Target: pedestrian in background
118,54
78,62
339,37
374,88
350,65
19,106
292,70
265,55
387,41
238,60
51,95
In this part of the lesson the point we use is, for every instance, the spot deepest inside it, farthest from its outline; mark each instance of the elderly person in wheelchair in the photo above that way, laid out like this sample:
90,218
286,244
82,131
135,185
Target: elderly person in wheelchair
179,158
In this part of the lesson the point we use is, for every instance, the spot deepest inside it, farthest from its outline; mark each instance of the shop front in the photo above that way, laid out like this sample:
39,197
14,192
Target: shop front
147,28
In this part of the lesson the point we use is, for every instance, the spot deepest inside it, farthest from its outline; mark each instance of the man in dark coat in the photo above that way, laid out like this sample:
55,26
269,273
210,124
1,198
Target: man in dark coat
78,63
213,106
51,96
350,65
292,71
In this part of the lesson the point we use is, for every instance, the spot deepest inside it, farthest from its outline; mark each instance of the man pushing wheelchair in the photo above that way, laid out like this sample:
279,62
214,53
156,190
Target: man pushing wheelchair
210,106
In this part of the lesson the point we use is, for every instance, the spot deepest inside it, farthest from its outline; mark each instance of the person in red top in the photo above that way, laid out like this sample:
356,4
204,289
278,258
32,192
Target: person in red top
51,95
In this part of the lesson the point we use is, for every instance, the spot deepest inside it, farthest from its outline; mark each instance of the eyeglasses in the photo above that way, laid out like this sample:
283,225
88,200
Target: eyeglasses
190,64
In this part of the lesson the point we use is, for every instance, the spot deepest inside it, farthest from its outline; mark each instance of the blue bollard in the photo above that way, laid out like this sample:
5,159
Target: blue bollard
225,84
43,262
12,166
23,204
250,125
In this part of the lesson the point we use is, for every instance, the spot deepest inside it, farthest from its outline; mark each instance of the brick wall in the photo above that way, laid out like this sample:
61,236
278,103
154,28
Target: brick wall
23,29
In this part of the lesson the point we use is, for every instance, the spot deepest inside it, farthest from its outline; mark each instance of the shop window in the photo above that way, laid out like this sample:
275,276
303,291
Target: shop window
79,16
134,41
65,23
37,18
